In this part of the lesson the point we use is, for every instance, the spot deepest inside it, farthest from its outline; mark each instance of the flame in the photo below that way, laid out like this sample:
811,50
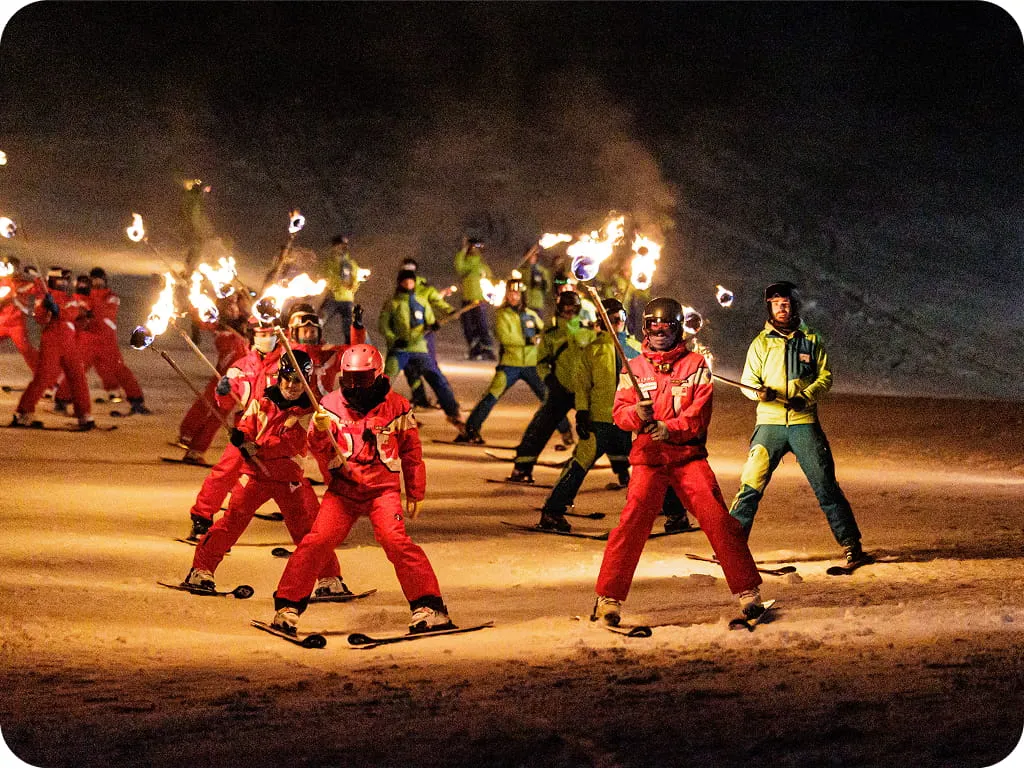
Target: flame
136,232
220,277
590,250
693,322
6,268
702,349
494,293
362,275
517,275
645,262
7,227
4,291
297,222
550,239
204,305
724,296
270,304
163,310
3,158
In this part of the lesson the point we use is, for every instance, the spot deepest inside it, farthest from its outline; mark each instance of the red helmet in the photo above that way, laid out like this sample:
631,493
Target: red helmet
361,364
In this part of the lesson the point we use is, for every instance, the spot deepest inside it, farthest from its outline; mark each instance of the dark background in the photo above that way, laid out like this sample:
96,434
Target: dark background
870,152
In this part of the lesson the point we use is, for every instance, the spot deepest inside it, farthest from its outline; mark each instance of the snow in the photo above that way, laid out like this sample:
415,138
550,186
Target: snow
913,661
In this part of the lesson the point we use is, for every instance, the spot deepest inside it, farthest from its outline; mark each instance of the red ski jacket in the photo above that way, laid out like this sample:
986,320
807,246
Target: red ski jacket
250,375
70,307
679,383
280,434
15,303
376,446
327,362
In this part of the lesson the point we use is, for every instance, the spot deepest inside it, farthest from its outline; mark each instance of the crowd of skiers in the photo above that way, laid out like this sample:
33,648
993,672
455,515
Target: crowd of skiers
284,392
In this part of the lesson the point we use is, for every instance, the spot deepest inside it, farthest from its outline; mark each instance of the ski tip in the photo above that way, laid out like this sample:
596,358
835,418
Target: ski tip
281,552
243,592
359,639
640,631
314,641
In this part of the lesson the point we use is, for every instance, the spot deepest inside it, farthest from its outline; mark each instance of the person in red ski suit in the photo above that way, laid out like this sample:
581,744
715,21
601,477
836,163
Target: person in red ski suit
305,330
17,296
56,311
200,424
97,343
271,437
245,380
375,433
670,426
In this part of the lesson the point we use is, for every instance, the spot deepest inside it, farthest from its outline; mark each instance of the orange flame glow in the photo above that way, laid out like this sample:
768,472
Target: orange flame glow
221,276
7,227
550,239
276,295
494,293
724,296
590,250
296,222
205,307
362,275
162,312
645,262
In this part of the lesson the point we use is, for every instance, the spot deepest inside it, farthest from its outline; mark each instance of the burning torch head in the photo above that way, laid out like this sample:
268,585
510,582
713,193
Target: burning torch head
304,326
568,305
141,338
663,323
616,314
266,312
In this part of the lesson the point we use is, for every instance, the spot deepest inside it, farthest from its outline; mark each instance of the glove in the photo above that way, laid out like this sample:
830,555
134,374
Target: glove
798,403
657,430
51,305
357,317
435,326
767,394
223,386
321,420
237,437
583,424
400,344
412,507
645,410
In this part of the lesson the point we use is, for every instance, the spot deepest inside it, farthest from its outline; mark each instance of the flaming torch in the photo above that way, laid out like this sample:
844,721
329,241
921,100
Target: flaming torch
550,239
8,228
296,221
363,275
724,296
590,250
3,158
6,268
205,307
221,277
494,293
137,234
645,262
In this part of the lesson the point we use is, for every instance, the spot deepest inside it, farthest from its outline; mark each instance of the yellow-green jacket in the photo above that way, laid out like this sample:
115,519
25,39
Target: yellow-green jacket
441,307
342,274
538,285
511,326
396,321
597,375
793,364
560,350
471,267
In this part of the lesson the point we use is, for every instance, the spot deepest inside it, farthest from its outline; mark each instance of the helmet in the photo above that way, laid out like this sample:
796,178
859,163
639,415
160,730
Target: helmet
514,284
82,285
361,365
663,310
568,300
287,370
615,310
404,275
783,288
98,272
410,264
304,315
263,337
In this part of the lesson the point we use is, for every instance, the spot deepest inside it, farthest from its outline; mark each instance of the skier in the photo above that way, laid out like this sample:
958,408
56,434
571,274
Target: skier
56,311
16,299
342,275
404,322
438,300
377,436
537,278
471,267
305,332
245,380
518,329
788,364
670,425
97,343
271,436
557,356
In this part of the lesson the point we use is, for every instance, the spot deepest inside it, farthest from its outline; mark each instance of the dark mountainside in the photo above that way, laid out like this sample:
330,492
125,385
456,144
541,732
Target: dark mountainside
869,152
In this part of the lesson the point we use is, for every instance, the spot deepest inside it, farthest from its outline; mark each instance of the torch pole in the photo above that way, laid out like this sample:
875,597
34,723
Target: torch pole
160,256
744,386
457,313
197,351
615,338
192,387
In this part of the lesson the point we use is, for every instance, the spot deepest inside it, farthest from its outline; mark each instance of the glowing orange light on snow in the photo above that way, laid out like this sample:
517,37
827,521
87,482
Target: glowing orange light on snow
590,250
724,296
273,299
204,306
296,222
645,262
550,239
136,232
7,227
494,293
221,276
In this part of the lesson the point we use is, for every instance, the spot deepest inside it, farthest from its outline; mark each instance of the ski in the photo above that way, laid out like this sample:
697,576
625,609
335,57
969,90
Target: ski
743,623
277,515
518,483
773,572
344,597
634,631
308,641
240,592
12,389
844,571
64,428
174,461
473,445
125,414
598,535
588,516
361,641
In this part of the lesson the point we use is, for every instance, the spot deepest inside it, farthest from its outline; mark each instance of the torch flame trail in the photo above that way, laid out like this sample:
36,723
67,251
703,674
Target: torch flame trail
221,277
494,293
550,239
136,231
204,306
724,296
645,262
590,250
162,312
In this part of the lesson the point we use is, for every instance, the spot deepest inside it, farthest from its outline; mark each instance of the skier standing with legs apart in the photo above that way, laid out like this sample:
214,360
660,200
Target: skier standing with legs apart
788,364
271,437
438,301
376,433
670,426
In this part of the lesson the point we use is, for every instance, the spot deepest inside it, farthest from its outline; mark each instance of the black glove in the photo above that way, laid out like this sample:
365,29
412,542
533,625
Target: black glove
798,403
357,317
51,305
223,386
767,394
400,344
583,424
551,381
435,326
237,437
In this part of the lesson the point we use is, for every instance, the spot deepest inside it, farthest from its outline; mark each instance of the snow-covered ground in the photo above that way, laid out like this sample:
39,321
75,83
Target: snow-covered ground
915,661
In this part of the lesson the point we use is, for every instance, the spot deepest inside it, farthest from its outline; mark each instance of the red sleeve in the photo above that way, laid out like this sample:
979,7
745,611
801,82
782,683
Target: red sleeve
411,452
693,421
625,399
357,335
283,440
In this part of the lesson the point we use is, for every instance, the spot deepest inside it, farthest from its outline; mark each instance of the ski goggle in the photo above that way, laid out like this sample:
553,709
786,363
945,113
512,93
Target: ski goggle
661,325
358,380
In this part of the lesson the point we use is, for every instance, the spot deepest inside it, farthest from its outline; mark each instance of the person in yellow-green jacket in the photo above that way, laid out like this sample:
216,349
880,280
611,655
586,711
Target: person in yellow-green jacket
342,275
519,332
788,366
404,322
536,279
438,301
471,267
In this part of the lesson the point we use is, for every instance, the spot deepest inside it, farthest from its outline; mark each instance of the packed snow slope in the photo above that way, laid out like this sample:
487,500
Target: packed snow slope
914,661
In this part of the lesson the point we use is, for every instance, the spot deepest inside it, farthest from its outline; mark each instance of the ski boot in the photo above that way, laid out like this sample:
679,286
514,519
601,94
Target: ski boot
473,439
457,423
25,420
200,579
433,617
200,526
328,586
607,610
520,476
286,620
855,555
138,407
193,458
114,398
60,406
85,425
676,524
751,604
552,520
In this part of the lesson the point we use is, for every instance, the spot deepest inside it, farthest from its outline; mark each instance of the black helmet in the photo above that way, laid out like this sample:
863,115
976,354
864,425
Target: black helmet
286,371
98,272
568,300
615,310
663,310
404,275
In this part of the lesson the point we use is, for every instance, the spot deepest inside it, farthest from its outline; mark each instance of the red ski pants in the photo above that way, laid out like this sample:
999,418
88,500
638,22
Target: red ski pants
201,423
18,334
298,504
100,351
218,483
697,487
335,520
58,353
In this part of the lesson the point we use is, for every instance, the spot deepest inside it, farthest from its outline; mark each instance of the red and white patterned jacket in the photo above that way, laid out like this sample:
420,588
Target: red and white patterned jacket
280,434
